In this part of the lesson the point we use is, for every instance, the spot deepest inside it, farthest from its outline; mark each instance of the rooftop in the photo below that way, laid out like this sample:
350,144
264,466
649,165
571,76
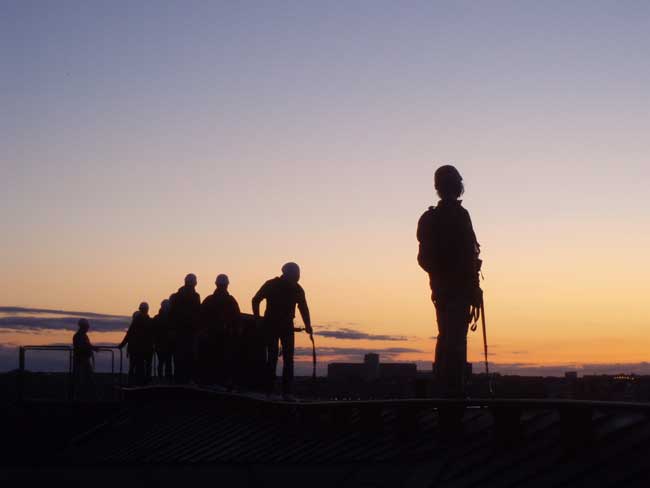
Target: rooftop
503,443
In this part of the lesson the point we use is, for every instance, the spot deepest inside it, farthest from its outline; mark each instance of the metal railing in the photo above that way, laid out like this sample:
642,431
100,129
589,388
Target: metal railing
22,350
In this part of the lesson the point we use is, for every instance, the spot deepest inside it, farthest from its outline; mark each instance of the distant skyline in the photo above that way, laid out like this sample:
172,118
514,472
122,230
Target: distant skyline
145,140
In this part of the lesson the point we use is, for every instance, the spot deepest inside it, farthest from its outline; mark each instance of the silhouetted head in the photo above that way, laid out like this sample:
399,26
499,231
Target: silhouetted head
83,325
291,272
190,280
448,183
222,282
164,306
144,308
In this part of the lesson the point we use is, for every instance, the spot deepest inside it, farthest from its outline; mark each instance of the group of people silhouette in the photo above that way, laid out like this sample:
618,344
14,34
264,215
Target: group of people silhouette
192,340
197,342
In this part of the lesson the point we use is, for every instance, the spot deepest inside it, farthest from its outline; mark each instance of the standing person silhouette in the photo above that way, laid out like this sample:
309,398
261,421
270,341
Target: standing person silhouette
185,310
282,294
449,254
139,342
220,317
163,342
83,362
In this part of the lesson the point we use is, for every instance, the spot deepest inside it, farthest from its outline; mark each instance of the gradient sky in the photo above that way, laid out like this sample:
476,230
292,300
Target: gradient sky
144,140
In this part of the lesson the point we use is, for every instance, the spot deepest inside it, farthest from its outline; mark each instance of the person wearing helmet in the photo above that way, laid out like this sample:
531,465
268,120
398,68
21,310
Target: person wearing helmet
139,342
282,294
163,341
449,252
220,317
185,310
83,359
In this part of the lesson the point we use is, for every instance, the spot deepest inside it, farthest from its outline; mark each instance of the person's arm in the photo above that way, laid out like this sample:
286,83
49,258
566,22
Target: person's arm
234,316
127,336
90,345
474,262
257,299
425,239
304,312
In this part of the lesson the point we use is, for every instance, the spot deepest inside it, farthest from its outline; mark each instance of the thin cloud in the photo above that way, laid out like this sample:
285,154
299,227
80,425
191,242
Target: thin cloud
34,320
68,313
354,353
353,334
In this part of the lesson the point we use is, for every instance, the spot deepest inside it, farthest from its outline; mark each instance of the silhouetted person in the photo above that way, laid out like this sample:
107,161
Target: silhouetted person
251,361
449,254
163,341
282,294
139,342
83,361
220,317
185,309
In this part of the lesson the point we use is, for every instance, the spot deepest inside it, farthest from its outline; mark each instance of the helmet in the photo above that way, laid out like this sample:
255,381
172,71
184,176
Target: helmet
190,279
447,174
291,271
448,181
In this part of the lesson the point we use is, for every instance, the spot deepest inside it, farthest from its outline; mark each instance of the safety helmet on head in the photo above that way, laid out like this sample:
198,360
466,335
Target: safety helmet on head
190,280
448,181
291,271
222,280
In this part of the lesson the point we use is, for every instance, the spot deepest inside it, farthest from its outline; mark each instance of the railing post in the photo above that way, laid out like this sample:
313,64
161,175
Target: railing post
20,387
71,376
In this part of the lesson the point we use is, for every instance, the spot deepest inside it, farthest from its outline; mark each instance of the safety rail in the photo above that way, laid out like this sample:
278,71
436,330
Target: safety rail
22,350
577,418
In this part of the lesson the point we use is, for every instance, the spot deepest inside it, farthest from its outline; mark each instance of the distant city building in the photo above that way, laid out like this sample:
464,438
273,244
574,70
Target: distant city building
371,369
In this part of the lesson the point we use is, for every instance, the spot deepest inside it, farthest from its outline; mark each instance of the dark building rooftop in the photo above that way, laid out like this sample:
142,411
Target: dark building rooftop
371,369
244,440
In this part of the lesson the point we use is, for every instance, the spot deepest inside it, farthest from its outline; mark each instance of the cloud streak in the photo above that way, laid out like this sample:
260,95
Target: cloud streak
39,319
353,334
62,323
68,313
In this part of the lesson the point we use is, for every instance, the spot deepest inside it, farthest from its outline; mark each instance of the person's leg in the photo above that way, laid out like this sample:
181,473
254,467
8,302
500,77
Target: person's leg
76,379
458,327
148,366
161,364
288,345
183,352
172,365
272,350
228,366
168,366
137,368
453,317
442,347
131,376
91,386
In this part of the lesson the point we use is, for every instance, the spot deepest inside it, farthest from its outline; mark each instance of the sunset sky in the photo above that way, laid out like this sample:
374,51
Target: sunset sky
145,140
